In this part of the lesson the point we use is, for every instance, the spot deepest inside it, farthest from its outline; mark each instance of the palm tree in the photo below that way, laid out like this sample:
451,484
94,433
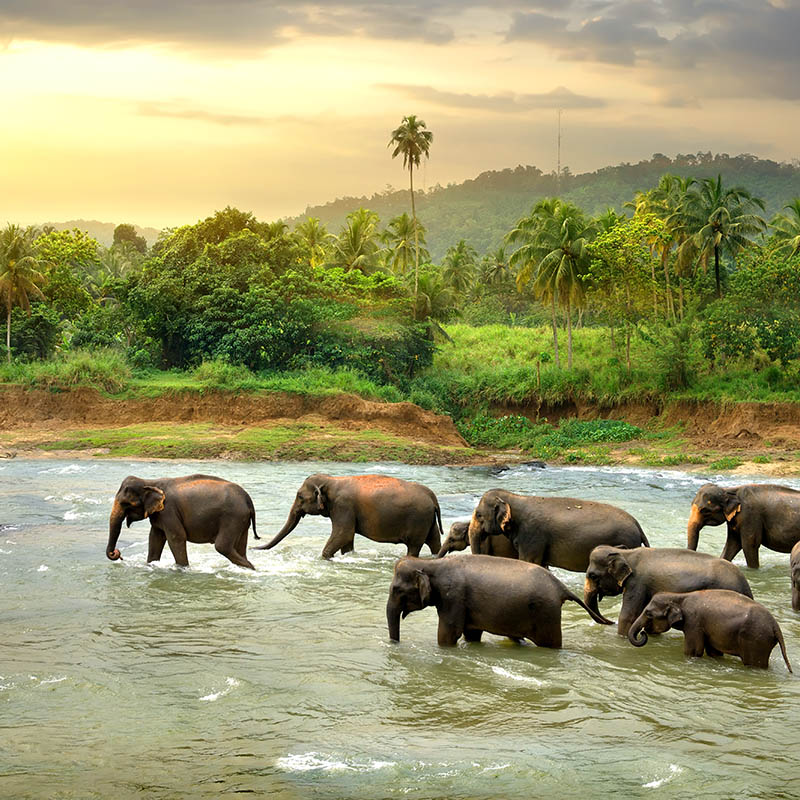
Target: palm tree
314,237
715,220
412,140
356,247
399,240
787,229
19,273
553,258
458,267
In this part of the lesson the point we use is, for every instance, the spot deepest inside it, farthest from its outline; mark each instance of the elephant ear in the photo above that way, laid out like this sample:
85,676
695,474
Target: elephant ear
674,615
731,505
502,514
153,499
424,585
619,568
321,496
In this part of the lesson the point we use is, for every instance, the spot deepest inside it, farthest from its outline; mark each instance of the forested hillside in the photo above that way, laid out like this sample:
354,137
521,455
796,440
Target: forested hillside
484,209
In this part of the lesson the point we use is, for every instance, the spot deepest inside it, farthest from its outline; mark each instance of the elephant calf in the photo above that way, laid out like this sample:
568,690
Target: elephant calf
194,508
480,593
641,573
458,539
715,620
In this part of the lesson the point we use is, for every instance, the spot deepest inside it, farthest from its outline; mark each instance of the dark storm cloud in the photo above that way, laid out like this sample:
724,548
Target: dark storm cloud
503,103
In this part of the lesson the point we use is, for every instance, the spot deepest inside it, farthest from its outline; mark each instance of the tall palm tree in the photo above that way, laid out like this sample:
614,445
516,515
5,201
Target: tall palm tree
314,237
787,229
459,265
716,220
356,247
553,257
19,273
399,240
413,140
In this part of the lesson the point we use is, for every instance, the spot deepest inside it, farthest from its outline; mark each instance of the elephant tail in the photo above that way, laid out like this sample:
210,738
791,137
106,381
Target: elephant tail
641,533
252,516
575,599
779,637
439,521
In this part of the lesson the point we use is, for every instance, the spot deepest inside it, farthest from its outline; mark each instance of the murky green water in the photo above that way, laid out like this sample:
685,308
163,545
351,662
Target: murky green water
122,680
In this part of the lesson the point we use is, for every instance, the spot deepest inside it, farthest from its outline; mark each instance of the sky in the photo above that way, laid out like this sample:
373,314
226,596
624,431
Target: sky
159,113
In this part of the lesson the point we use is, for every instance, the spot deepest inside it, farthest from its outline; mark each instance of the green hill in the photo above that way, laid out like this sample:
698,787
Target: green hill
484,209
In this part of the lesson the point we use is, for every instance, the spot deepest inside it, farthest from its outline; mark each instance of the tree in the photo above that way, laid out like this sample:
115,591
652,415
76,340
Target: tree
126,234
19,273
399,240
459,265
356,247
412,140
314,239
787,229
716,220
553,258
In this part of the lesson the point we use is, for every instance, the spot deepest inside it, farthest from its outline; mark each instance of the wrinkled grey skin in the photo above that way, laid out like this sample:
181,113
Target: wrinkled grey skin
381,508
553,531
473,594
640,574
458,539
794,564
755,514
194,508
716,621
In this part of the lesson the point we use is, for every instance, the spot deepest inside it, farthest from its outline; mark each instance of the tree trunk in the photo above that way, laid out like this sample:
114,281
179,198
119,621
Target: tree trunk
416,234
569,334
555,331
680,297
670,304
655,293
716,270
8,335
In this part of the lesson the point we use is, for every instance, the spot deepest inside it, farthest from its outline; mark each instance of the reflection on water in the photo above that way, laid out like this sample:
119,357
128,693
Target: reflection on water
133,680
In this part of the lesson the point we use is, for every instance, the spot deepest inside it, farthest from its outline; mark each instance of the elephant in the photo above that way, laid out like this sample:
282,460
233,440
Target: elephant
641,573
379,507
794,564
458,539
756,514
477,593
715,620
553,531
194,508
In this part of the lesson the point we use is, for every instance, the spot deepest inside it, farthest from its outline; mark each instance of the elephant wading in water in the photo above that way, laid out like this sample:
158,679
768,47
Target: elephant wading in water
474,594
639,574
756,514
715,620
794,565
458,539
195,508
381,508
553,531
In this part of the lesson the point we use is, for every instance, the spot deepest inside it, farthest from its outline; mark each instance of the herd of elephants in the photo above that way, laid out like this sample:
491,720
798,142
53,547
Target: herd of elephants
505,587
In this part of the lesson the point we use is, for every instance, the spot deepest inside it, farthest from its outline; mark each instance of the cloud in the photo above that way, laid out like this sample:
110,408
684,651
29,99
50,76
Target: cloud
505,102
171,111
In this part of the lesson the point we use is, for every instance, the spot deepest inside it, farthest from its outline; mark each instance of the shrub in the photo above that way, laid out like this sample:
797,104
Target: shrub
105,370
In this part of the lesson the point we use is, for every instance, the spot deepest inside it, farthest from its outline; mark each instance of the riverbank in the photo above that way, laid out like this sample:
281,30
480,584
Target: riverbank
270,426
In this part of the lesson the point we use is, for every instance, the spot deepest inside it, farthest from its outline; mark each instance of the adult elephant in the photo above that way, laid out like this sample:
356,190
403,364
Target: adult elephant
381,508
552,531
755,514
474,594
194,508
458,539
640,574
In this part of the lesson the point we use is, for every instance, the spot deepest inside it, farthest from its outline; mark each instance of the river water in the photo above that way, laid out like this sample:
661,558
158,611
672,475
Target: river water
122,680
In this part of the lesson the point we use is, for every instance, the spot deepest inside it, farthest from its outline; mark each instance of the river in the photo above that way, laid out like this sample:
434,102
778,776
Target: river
126,680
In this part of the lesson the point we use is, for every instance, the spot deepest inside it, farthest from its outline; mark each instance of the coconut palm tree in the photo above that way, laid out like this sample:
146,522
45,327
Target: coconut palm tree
399,240
314,237
787,229
714,220
459,265
356,247
19,273
413,140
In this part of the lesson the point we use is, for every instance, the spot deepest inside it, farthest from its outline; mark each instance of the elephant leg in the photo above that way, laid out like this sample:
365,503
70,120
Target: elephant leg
340,539
434,540
752,650
694,643
634,601
533,555
731,549
547,630
751,554
712,651
472,634
414,550
177,545
347,547
229,539
155,546
448,632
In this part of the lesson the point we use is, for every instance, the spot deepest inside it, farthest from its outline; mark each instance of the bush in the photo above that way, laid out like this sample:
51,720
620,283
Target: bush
218,374
33,336
105,370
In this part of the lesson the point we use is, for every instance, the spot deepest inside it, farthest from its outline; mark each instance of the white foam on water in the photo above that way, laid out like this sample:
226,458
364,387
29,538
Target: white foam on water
307,762
45,681
674,770
43,568
504,673
9,541
230,685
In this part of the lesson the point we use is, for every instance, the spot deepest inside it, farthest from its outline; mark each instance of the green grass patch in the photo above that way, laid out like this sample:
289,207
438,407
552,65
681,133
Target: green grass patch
104,370
725,463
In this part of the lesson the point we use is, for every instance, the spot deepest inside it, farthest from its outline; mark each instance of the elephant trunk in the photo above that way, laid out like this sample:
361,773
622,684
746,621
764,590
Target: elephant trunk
591,594
637,635
114,528
295,515
444,550
393,612
474,534
693,528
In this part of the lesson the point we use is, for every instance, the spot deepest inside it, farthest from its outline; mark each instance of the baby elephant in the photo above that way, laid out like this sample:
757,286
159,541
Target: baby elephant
458,539
473,594
715,620
794,564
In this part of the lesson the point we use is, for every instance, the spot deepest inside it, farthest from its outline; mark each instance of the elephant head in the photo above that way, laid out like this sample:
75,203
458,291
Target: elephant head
410,591
492,517
712,505
311,498
662,613
135,499
606,575
457,539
